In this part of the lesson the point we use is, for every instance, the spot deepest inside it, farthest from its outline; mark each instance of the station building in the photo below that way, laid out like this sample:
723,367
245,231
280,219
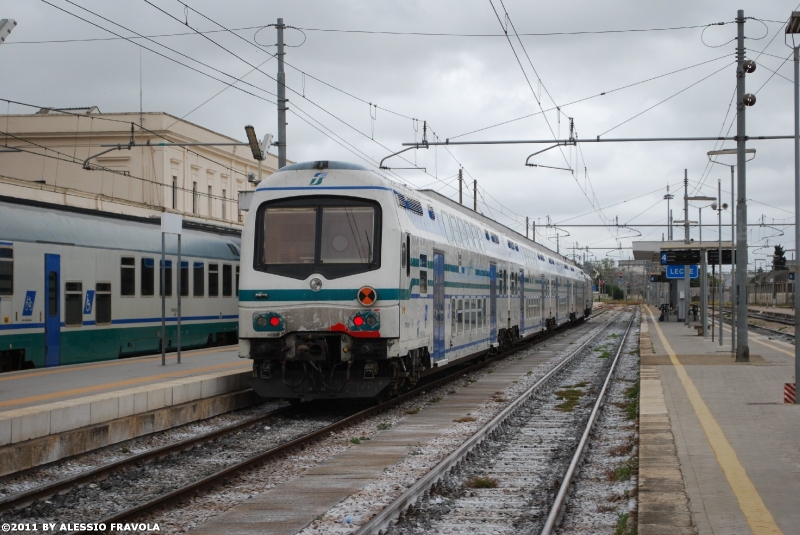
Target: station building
141,177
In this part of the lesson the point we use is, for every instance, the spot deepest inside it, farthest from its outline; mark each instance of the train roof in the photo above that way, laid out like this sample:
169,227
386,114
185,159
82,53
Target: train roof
489,222
41,223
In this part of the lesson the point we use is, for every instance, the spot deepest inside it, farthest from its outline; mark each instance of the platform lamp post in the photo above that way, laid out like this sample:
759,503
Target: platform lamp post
259,150
703,269
733,234
792,28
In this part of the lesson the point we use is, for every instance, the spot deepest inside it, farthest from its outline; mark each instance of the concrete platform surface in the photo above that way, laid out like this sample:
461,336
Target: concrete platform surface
737,443
57,412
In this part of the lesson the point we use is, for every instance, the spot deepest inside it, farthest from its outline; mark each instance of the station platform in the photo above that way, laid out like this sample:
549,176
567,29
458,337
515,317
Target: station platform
51,413
719,450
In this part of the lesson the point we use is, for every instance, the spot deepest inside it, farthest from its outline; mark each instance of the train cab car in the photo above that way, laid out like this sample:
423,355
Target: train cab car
355,286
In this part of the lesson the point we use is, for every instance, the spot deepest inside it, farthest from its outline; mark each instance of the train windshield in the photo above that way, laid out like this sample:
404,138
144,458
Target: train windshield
334,237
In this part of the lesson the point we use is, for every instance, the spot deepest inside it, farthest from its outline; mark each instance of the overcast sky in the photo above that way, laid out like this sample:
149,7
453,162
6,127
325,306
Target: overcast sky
458,84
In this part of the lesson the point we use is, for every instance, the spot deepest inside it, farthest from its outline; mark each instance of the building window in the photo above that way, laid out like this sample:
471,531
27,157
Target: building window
237,281
194,197
167,278
210,203
199,276
73,304
127,276
184,279
213,280
174,192
227,283
224,205
102,304
6,271
148,273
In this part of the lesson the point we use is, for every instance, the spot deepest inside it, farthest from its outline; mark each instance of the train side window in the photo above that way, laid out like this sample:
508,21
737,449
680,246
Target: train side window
408,255
452,316
237,281
454,231
447,229
481,318
461,315
6,271
403,255
167,279
199,276
473,324
227,284
148,277
213,280
423,274
73,304
127,276
483,309
102,303
184,279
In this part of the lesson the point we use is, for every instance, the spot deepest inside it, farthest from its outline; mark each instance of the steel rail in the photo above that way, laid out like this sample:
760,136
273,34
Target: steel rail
225,474
21,499
384,518
561,497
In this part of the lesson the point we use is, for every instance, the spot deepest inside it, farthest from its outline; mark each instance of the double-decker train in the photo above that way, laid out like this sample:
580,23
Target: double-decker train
355,286
82,285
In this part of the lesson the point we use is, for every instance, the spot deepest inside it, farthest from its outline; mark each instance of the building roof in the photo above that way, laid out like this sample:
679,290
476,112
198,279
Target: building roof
90,110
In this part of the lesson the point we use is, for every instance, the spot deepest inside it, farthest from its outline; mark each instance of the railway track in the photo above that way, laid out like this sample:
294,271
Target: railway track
773,317
14,505
522,446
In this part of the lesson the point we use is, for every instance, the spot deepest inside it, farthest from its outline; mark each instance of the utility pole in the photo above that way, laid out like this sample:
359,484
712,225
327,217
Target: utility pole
475,196
282,100
742,347
526,226
794,27
533,231
686,269
460,186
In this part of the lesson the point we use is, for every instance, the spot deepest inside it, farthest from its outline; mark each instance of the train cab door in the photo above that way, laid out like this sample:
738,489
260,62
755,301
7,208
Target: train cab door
521,291
52,310
492,303
438,305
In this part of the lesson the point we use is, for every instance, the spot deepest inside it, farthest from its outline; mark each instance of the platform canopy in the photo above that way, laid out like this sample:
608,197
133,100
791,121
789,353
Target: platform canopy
651,250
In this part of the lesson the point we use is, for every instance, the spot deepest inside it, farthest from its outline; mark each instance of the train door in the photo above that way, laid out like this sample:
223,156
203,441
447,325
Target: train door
492,303
438,305
52,310
521,290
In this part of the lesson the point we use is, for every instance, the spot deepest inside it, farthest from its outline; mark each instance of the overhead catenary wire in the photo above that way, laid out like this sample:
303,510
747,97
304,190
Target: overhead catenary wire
378,32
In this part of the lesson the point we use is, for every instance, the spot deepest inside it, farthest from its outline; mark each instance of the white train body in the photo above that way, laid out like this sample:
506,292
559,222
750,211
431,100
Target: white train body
353,286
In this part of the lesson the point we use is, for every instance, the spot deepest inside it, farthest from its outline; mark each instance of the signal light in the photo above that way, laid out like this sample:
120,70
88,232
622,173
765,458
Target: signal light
274,321
358,321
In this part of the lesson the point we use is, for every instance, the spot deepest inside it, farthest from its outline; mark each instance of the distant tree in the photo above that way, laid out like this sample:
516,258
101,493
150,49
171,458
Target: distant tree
779,259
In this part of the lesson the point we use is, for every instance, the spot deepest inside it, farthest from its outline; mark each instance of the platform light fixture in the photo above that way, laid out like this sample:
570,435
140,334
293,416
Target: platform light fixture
6,25
252,139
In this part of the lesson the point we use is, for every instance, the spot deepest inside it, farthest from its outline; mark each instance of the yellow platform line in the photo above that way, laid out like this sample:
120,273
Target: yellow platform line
12,376
755,511
119,384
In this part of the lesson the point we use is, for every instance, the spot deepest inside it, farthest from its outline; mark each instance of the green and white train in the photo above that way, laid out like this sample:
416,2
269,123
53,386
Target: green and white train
356,286
81,285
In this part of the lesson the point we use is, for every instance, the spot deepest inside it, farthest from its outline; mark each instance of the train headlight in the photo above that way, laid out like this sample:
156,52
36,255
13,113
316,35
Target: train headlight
261,321
315,284
268,321
372,321
358,321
